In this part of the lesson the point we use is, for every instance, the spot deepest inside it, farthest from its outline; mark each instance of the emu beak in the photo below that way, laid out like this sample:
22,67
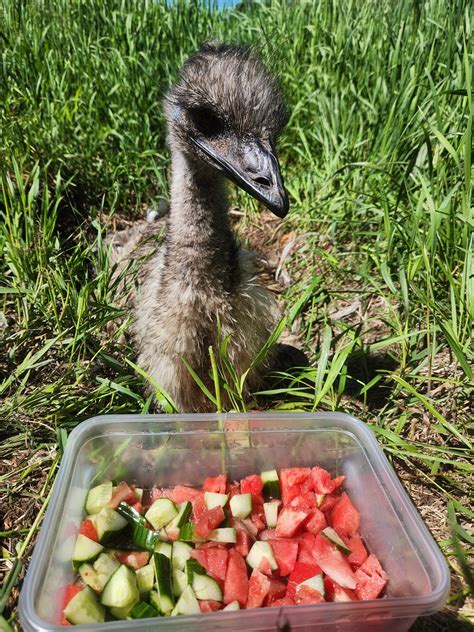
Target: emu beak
253,167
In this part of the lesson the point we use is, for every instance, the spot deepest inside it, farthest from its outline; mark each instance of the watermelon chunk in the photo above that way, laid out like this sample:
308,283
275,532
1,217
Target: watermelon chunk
317,522
210,520
236,585
199,507
209,605
344,517
300,573
123,493
286,601
358,553
285,552
277,591
306,545
330,500
337,593
290,520
291,481
258,515
217,562
322,481
87,528
306,594
371,579
66,594
217,485
244,539
134,559
305,500
259,587
182,493
333,562
252,485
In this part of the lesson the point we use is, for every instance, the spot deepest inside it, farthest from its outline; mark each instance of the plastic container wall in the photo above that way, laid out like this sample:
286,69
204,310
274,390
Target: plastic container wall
185,449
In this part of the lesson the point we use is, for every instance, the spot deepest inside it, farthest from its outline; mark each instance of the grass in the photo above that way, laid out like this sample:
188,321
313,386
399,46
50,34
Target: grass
377,282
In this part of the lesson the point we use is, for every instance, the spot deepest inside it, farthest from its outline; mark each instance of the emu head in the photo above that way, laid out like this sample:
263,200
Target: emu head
227,111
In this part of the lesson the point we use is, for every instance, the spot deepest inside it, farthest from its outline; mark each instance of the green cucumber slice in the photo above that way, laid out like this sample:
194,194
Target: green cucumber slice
193,568
107,523
186,534
184,511
241,505
271,485
90,577
179,582
204,587
333,537
233,605
258,551
143,537
161,513
85,550
187,603
181,553
105,565
224,534
145,579
98,497
211,500
165,548
121,613
271,513
121,590
143,610
84,608
131,515
163,582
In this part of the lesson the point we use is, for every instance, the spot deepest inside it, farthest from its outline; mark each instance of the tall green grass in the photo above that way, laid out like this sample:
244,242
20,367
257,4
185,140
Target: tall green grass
377,160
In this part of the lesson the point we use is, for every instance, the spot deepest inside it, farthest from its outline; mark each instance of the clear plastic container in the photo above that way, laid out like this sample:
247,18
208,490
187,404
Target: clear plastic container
167,450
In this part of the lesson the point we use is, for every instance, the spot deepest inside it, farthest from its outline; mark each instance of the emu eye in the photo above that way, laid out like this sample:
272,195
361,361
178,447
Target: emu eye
206,121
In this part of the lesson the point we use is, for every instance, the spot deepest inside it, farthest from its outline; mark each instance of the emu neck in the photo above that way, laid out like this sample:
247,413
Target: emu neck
201,248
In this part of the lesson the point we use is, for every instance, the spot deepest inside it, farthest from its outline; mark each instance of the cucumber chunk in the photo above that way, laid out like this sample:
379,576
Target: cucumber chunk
271,485
184,511
193,568
187,603
315,582
233,605
165,548
121,590
241,505
211,500
145,579
258,551
105,565
271,513
107,523
205,587
85,550
98,497
333,537
224,534
181,553
179,582
161,513
163,582
84,608
143,610
90,577
121,613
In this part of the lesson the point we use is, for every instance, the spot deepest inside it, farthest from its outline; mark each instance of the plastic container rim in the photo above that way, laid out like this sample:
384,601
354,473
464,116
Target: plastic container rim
408,606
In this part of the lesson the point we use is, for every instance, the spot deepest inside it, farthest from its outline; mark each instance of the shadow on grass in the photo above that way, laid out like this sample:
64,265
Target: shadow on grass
445,621
363,367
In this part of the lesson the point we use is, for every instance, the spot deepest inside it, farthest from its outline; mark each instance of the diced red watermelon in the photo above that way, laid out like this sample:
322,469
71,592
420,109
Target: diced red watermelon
210,520
66,594
244,539
87,528
285,552
306,595
291,481
277,591
209,605
236,585
330,500
322,481
317,522
371,579
344,516
333,562
259,587
258,515
252,485
306,544
286,601
305,500
250,526
138,507
290,520
267,534
217,562
337,593
358,553
182,493
123,493
199,507
232,489
134,559
217,485
300,573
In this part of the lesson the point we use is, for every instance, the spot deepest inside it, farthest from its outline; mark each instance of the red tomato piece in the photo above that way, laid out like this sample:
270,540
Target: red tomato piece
210,520
290,520
88,529
236,585
300,573
344,516
258,589
216,485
